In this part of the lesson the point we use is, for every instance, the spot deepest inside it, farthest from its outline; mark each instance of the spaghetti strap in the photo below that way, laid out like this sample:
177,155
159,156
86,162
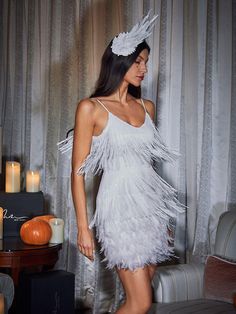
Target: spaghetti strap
142,102
99,101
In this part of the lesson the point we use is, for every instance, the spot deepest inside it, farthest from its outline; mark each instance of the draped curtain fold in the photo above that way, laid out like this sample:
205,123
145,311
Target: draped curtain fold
50,55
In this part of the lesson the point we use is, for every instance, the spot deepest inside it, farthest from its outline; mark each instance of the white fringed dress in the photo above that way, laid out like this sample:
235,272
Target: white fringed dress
134,204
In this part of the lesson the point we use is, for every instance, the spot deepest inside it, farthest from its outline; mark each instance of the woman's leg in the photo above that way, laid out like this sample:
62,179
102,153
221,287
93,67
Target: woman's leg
137,286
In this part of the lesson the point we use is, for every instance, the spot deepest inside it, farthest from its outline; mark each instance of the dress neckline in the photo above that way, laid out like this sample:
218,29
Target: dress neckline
118,118
129,124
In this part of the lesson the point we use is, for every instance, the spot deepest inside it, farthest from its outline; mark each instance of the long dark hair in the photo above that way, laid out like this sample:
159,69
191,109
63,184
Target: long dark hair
113,70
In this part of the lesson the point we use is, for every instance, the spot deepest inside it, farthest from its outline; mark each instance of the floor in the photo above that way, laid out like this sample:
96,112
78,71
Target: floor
15,311
86,312
83,312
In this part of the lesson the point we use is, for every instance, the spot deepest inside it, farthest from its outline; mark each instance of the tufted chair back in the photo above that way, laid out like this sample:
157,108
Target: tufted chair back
225,244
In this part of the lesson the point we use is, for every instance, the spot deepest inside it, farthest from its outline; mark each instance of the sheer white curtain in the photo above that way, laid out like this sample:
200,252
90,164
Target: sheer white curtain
50,59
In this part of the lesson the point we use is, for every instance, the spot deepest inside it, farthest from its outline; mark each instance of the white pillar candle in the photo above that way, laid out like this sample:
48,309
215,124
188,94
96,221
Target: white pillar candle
32,181
57,226
1,222
12,184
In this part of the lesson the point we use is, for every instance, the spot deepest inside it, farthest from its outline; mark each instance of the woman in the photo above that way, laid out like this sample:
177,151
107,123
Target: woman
114,134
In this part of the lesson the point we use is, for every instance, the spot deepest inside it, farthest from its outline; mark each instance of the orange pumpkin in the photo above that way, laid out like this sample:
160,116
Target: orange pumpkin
44,217
36,232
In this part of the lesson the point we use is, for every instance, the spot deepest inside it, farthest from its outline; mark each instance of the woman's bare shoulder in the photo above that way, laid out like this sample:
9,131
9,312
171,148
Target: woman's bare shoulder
86,109
150,107
86,106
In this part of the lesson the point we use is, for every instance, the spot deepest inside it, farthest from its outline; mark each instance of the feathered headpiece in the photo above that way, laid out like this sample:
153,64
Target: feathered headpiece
125,44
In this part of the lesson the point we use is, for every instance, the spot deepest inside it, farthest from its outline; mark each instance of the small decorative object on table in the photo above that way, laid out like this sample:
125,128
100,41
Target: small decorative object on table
36,232
12,183
44,217
57,226
32,181
18,208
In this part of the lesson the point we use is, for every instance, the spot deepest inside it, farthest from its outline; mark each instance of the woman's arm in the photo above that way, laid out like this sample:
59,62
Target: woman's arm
83,132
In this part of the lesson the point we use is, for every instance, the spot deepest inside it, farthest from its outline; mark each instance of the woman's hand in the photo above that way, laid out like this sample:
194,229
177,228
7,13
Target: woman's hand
86,242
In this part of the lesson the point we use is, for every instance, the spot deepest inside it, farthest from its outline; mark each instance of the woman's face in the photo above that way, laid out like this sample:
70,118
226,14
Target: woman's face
138,69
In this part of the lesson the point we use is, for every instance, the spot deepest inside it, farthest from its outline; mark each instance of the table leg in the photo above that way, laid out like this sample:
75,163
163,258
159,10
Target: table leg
15,275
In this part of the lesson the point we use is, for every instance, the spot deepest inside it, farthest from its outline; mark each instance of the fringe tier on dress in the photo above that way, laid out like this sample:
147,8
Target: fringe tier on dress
134,206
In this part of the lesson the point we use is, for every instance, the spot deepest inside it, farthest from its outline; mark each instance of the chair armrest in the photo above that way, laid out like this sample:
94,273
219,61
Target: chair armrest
178,283
1,303
7,290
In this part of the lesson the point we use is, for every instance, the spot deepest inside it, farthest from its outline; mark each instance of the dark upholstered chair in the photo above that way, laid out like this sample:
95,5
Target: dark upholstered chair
6,293
195,288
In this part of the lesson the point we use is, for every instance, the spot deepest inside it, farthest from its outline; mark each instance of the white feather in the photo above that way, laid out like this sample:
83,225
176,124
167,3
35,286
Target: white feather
125,44
135,207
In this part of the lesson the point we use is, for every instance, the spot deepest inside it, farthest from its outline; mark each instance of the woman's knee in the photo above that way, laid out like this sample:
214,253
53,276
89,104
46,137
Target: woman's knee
141,306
